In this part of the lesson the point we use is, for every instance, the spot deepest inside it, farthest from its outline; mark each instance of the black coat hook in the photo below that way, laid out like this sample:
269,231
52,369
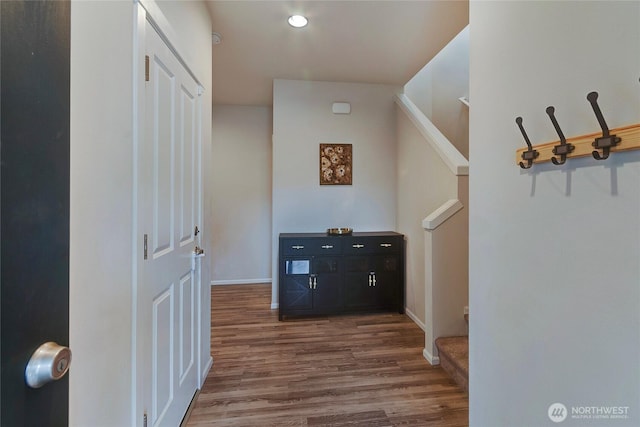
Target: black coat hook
530,154
606,141
563,149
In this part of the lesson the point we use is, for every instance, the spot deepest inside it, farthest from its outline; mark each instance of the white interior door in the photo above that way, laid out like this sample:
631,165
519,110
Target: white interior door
169,209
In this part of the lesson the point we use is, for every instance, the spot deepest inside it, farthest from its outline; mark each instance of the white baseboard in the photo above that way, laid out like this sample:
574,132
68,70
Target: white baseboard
239,282
434,360
206,370
415,319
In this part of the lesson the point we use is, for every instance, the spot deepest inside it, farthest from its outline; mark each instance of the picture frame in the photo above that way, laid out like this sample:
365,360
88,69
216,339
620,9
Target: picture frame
336,164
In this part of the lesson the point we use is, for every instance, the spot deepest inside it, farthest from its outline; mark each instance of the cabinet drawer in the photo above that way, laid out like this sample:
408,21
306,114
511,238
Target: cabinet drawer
321,246
370,245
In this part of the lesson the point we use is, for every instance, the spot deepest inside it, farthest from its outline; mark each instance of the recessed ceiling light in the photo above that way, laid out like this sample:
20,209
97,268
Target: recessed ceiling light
298,21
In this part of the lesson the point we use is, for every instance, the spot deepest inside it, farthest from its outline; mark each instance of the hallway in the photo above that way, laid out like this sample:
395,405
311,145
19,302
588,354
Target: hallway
365,370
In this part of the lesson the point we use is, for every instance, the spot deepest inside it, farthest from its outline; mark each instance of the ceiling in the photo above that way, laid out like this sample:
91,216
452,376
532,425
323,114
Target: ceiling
384,42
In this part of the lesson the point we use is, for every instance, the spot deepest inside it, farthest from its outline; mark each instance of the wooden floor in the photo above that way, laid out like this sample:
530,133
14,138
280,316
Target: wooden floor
365,370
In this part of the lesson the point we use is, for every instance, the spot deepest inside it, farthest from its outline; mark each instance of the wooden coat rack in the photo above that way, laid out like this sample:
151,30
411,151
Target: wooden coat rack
597,144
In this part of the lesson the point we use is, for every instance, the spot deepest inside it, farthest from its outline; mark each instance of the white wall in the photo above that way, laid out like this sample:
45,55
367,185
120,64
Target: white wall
100,288
424,184
302,119
241,164
101,256
436,88
447,275
437,255
554,251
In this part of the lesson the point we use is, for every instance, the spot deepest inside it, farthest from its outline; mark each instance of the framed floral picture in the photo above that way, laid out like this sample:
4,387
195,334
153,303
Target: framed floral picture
335,164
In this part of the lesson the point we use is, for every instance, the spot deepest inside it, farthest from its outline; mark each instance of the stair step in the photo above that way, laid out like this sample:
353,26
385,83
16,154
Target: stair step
454,358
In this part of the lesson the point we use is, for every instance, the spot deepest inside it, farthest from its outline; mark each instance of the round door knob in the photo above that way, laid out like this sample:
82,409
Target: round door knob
48,363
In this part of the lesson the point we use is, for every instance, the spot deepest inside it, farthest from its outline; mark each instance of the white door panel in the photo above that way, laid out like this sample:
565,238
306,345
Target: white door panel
187,143
162,103
187,326
169,207
162,354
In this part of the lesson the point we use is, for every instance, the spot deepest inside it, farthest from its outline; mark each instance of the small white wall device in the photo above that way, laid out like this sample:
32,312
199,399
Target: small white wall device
341,108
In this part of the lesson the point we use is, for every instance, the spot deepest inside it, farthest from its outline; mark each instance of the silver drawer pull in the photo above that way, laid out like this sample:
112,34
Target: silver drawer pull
296,247
327,246
386,245
358,246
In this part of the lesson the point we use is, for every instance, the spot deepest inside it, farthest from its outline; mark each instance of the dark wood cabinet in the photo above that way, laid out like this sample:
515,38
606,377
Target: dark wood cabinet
372,281
322,274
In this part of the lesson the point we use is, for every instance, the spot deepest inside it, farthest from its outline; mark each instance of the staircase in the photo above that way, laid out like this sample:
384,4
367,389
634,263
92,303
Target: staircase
454,357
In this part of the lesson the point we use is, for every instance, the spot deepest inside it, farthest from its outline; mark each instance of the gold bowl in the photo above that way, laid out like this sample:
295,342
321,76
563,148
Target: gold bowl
339,231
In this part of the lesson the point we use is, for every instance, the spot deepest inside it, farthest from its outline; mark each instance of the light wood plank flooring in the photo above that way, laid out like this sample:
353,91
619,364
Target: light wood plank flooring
364,370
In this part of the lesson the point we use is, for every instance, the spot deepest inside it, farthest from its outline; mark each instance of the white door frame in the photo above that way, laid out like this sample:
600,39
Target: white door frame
148,10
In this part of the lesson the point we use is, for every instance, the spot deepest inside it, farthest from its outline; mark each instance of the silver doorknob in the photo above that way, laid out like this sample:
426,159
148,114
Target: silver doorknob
48,363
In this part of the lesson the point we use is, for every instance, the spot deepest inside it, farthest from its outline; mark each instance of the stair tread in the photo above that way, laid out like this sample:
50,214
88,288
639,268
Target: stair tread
456,349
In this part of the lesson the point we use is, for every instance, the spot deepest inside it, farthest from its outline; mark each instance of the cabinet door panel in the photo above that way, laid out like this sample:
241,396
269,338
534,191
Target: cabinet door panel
326,293
297,294
358,290
388,280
